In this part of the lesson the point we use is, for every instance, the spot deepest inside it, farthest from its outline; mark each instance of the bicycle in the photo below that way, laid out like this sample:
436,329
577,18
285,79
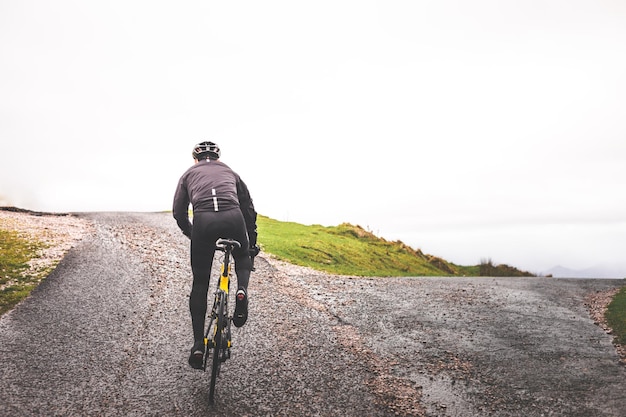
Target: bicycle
217,339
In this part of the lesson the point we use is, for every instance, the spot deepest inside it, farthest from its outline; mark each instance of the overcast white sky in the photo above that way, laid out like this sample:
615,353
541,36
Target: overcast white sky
469,129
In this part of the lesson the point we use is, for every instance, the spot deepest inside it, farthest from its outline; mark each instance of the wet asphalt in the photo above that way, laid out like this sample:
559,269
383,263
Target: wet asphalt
108,333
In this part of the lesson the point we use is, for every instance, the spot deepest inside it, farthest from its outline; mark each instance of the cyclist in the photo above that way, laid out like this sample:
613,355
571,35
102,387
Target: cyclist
222,208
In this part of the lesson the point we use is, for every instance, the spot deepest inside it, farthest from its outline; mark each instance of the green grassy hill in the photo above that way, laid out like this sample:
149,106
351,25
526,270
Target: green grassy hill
351,250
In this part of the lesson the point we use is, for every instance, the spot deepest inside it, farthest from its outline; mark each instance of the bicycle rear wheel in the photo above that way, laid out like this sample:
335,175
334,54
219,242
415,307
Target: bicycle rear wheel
218,338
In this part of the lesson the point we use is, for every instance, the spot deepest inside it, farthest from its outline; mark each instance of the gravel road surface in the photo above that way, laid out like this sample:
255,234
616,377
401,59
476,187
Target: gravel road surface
108,334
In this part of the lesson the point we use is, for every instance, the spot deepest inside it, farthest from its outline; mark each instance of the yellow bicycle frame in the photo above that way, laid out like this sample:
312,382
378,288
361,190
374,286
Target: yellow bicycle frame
224,277
224,284
224,281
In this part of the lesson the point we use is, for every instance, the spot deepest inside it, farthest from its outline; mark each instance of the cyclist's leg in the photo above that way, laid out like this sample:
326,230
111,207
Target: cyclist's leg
241,256
243,265
202,251
201,262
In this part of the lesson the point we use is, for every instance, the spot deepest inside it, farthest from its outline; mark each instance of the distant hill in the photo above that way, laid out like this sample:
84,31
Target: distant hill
599,271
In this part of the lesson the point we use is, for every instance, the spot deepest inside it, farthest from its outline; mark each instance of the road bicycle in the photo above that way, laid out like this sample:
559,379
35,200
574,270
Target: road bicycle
217,339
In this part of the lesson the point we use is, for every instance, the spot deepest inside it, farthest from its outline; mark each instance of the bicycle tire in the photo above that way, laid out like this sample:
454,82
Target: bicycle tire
217,347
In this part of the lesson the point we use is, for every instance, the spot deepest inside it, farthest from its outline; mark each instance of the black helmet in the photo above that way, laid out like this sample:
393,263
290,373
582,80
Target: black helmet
204,149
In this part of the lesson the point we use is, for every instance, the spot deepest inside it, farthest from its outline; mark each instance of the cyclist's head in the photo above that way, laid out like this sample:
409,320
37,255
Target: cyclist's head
204,150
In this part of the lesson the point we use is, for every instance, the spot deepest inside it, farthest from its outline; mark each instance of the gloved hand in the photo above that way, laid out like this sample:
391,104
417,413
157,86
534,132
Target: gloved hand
254,251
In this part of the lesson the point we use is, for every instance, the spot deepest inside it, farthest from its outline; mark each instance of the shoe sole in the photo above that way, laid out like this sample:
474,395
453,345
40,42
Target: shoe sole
240,317
195,361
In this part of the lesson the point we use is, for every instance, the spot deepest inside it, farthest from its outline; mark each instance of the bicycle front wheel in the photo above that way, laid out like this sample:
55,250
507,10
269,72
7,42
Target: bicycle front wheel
218,338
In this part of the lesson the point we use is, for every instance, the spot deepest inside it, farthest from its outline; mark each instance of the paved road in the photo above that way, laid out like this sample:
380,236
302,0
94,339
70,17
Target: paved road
108,333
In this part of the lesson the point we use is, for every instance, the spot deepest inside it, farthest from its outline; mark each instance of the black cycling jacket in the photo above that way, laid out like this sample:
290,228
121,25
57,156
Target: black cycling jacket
210,185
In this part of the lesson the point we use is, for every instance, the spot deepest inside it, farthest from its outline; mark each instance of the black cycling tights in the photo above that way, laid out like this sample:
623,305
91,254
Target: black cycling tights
208,227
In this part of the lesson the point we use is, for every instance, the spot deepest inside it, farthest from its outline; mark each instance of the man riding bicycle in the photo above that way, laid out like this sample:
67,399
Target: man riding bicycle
222,208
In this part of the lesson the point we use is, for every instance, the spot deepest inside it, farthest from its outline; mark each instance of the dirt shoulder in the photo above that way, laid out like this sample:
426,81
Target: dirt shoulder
58,232
597,303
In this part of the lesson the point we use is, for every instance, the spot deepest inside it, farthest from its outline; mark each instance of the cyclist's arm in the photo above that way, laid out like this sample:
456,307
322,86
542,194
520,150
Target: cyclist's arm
247,208
180,208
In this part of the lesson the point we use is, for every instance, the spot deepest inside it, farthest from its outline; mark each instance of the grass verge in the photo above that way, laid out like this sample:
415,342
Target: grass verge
616,316
17,279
